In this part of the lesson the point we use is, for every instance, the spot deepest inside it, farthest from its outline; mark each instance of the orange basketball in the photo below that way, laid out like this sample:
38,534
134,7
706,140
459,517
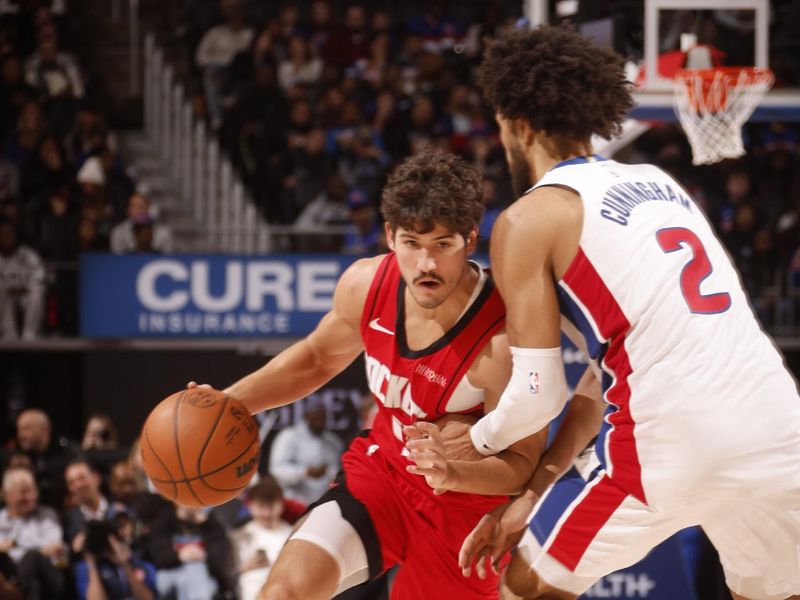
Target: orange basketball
200,447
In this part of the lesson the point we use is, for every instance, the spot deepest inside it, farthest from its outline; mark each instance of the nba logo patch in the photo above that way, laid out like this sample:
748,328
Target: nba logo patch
533,381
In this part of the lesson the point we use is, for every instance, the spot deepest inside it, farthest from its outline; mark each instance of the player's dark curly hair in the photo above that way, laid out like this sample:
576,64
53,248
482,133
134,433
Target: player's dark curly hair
433,188
560,82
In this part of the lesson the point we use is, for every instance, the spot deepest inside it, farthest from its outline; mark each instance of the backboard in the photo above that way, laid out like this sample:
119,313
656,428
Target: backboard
739,29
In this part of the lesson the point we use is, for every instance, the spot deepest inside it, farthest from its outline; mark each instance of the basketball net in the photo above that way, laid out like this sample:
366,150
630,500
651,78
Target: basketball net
713,104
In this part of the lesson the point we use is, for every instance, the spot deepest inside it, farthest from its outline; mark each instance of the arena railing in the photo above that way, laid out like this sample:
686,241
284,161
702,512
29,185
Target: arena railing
204,179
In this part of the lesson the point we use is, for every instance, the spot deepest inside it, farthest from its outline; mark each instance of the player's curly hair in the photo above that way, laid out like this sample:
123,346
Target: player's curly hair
559,81
433,188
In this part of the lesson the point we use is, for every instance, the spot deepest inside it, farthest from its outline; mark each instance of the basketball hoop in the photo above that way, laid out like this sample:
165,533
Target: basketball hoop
713,105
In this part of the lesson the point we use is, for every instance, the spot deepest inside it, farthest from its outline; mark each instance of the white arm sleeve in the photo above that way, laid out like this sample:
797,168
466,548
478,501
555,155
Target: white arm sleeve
535,394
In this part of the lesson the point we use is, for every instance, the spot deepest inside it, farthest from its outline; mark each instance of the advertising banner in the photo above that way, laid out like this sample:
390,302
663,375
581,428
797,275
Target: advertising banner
145,295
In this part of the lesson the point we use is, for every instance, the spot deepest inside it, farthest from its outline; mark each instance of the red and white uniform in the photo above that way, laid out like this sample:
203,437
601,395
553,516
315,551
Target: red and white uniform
701,409
413,527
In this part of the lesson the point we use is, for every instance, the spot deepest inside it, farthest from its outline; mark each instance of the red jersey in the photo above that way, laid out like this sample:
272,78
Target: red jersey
410,385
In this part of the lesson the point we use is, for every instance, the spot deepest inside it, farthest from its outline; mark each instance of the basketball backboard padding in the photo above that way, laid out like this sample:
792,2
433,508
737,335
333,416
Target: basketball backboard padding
778,105
653,81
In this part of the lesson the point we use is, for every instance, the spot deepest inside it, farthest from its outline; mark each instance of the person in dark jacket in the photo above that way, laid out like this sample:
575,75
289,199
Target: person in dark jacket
192,554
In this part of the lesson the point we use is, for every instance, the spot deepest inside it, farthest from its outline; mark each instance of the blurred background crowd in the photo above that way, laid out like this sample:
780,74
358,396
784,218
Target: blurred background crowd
314,103
80,512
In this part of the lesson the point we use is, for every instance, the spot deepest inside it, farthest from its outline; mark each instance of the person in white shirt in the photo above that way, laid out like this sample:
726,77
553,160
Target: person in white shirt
123,239
258,542
89,503
22,286
306,457
216,51
300,66
31,535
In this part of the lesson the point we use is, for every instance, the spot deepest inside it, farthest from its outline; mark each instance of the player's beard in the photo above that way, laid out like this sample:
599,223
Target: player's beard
521,176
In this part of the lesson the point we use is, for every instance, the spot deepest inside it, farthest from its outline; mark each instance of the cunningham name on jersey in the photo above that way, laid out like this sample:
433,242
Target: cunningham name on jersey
620,199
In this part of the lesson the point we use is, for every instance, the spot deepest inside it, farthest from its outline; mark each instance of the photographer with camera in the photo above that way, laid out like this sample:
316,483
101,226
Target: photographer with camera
109,570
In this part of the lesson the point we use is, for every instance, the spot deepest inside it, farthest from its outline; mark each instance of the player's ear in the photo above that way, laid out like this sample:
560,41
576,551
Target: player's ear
389,235
472,240
524,132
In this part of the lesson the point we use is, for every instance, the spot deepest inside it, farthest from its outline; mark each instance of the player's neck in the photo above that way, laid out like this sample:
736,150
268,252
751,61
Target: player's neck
544,156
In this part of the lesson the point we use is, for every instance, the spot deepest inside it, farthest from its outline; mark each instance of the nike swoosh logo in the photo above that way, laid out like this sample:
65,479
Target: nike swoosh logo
378,327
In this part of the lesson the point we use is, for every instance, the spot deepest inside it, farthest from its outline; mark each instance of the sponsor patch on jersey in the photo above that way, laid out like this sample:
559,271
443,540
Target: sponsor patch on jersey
533,381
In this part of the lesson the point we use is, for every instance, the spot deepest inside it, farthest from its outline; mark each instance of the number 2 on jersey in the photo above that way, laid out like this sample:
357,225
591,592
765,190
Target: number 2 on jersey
694,272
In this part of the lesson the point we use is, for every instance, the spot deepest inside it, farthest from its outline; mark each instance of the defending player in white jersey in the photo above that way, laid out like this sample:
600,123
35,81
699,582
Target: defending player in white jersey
702,425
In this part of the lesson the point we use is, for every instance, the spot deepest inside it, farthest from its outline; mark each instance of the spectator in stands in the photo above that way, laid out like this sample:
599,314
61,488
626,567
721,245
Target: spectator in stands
321,25
91,179
123,483
368,237
328,207
100,433
21,146
738,192
349,43
310,169
258,542
31,535
88,502
300,66
438,31
22,286
14,93
45,171
56,77
372,69
52,72
123,239
305,457
57,241
363,163
87,135
89,237
48,456
192,554
143,234
215,54
109,570
119,186
100,444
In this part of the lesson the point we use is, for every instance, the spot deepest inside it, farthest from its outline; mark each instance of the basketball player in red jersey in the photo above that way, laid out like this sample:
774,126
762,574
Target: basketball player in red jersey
431,326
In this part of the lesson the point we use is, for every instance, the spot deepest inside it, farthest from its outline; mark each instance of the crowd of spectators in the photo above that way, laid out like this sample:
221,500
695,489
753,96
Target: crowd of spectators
79,520
316,102
315,106
63,187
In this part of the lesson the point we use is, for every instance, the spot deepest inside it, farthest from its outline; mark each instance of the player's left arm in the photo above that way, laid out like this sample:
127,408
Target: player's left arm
504,473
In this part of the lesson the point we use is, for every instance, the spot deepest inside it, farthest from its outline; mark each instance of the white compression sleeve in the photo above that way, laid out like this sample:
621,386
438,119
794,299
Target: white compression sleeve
535,394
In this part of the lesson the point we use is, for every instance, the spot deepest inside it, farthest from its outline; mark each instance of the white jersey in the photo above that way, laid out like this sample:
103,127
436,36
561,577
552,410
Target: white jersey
699,398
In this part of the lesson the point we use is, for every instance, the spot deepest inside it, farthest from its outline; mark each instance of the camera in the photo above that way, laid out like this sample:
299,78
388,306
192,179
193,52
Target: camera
97,534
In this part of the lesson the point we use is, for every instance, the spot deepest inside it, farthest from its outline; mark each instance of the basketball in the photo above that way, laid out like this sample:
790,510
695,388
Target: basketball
200,447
